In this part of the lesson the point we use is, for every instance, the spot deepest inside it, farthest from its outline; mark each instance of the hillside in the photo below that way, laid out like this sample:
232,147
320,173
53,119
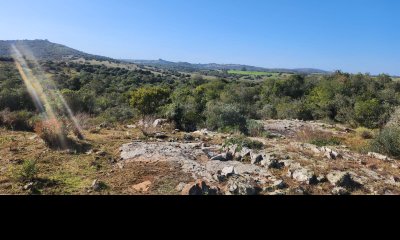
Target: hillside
46,50
91,127
185,66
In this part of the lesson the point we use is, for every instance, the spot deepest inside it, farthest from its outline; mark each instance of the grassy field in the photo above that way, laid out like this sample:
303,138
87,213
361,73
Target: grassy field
251,73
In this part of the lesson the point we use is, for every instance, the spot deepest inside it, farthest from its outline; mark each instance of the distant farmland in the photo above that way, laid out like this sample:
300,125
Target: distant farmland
250,73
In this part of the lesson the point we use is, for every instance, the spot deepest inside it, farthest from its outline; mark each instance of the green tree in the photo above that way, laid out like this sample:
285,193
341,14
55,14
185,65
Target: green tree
148,100
368,112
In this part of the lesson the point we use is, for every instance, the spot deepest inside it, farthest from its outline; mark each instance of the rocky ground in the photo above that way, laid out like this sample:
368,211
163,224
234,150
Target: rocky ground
157,160
285,166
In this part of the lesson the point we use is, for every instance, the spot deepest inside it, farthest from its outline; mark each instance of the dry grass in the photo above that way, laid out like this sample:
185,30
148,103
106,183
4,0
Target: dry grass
316,137
53,133
59,172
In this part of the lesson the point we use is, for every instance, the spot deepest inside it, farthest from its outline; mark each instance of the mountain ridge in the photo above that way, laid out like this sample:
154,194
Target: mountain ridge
46,50
215,66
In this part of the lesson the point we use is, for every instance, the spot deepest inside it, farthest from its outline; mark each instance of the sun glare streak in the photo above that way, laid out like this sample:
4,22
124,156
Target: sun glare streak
55,94
31,89
43,90
34,86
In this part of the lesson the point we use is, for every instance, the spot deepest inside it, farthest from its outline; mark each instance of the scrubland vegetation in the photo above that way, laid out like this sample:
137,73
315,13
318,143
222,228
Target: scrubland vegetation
116,95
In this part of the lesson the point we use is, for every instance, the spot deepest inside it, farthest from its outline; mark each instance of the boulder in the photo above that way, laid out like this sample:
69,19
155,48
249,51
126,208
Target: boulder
303,175
200,188
159,122
378,156
220,157
347,180
246,152
242,186
229,156
272,164
331,154
228,171
256,158
279,184
237,157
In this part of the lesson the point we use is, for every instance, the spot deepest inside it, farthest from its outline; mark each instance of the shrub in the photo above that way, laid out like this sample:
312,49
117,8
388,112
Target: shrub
53,133
243,142
117,114
368,113
387,142
256,129
27,172
148,100
19,121
365,133
267,112
225,118
184,116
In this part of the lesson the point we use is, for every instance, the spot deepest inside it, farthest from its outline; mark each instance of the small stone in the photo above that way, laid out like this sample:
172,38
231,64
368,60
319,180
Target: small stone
277,193
228,171
33,137
322,179
28,186
188,137
256,159
331,154
142,187
220,157
340,191
89,152
280,184
120,165
303,175
229,156
96,185
101,153
180,186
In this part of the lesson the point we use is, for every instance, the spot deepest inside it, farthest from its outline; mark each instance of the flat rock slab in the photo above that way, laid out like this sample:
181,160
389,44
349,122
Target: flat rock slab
187,155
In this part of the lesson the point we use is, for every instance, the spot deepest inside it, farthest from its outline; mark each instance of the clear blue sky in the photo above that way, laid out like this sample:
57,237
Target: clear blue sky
351,35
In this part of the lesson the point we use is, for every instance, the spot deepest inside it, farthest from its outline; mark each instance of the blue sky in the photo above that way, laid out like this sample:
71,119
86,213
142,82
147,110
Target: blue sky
351,35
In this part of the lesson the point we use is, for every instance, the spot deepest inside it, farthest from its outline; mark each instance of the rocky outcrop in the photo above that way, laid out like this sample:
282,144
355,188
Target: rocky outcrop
347,180
286,166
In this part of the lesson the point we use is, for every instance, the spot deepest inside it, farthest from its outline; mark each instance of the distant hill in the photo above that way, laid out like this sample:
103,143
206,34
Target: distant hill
185,66
46,50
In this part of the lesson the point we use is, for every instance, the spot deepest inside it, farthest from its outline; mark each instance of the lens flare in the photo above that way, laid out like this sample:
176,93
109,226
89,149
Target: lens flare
42,88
